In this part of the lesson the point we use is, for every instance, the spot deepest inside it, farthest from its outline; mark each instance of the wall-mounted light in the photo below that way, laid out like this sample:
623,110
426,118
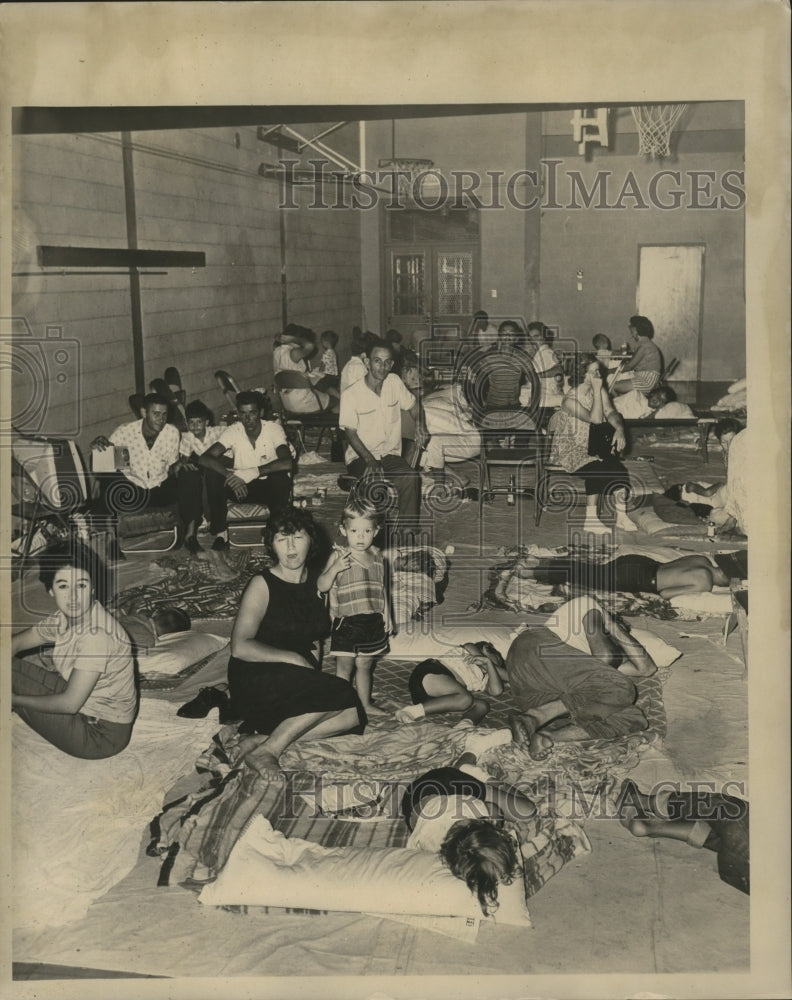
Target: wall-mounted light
579,280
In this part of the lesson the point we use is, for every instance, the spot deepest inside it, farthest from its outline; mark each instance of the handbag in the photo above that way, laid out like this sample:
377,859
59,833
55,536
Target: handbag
600,442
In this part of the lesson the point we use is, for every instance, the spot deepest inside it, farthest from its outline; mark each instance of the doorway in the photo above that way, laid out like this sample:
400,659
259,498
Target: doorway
670,282
431,272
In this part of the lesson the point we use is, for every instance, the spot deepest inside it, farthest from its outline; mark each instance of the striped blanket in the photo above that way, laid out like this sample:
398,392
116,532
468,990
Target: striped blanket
205,816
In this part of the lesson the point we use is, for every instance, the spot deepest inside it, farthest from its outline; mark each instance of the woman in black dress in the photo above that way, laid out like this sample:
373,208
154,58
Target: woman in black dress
274,677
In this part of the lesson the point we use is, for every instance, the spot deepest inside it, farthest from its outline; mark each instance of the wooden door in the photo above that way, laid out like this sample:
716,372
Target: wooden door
430,291
670,280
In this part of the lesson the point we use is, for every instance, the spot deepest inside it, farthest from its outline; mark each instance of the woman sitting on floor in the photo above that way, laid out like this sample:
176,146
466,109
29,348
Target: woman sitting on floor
87,705
632,574
275,681
588,434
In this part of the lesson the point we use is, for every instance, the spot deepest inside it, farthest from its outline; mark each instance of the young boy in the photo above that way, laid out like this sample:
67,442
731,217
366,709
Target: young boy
199,436
355,578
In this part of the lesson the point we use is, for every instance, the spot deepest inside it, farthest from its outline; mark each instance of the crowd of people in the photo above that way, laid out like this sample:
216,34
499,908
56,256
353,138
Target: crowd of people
573,678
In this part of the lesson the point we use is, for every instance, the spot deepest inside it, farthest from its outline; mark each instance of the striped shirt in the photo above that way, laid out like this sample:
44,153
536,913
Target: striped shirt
360,590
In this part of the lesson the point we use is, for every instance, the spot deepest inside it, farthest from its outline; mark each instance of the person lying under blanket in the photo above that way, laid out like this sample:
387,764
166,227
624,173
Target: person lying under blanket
579,665
634,574
458,811
435,687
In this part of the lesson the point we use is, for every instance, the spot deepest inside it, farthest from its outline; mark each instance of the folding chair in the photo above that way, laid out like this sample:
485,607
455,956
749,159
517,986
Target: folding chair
297,423
670,368
228,387
51,485
527,455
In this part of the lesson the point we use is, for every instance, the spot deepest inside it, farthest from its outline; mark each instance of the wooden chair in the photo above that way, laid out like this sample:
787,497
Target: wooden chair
298,423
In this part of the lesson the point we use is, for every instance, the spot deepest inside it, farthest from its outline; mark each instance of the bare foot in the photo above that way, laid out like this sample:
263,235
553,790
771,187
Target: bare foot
538,745
374,711
253,750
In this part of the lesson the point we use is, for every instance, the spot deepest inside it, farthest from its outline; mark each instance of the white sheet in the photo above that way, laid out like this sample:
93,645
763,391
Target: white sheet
78,824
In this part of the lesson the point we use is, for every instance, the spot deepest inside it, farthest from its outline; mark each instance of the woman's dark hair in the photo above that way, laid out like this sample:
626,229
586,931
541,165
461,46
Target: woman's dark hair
289,521
330,336
483,856
642,326
197,409
727,426
393,336
582,364
78,556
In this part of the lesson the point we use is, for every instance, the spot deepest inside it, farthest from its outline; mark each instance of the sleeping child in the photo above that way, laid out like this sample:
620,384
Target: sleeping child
435,687
459,811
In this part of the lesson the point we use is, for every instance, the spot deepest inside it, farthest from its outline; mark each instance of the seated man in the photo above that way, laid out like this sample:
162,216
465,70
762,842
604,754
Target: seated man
371,416
156,475
580,666
261,470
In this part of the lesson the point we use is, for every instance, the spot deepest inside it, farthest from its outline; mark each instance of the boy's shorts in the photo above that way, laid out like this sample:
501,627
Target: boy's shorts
415,684
359,635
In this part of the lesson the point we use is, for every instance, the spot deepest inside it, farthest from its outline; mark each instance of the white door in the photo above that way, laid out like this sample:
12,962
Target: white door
669,294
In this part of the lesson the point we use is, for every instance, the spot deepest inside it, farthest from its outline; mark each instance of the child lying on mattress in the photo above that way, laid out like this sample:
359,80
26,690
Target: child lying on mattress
435,687
459,812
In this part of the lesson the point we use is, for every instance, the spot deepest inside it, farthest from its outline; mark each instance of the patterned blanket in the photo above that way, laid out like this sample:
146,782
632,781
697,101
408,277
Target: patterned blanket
199,825
509,591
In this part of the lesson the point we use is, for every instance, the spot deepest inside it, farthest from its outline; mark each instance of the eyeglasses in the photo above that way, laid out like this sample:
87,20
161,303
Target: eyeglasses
382,362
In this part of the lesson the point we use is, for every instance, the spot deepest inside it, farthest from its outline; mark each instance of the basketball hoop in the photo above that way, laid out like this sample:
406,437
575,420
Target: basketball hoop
655,122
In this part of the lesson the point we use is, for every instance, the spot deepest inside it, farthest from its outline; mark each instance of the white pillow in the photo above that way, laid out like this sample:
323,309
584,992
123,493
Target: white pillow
718,602
661,652
267,869
412,643
443,643
177,651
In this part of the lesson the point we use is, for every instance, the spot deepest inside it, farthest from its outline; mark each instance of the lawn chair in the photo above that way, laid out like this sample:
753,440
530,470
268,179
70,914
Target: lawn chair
296,423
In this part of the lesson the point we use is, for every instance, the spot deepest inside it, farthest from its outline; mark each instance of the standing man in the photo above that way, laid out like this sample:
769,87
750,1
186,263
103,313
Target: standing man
370,414
260,471
156,475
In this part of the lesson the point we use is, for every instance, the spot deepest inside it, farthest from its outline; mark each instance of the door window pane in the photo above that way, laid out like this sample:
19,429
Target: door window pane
408,284
454,283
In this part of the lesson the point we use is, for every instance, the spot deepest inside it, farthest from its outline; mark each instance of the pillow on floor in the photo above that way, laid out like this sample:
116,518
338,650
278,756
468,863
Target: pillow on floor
176,652
442,644
267,869
413,643
661,652
718,602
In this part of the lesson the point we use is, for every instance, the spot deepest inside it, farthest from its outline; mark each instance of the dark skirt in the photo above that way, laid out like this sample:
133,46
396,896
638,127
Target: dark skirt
265,694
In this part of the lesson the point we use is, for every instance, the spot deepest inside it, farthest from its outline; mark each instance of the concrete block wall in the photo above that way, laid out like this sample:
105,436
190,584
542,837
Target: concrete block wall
195,190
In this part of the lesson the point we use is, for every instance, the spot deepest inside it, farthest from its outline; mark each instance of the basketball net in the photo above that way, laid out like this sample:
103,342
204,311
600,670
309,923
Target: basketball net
655,122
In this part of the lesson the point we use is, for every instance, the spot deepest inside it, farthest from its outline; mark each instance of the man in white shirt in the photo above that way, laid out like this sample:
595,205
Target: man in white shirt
156,476
370,414
261,466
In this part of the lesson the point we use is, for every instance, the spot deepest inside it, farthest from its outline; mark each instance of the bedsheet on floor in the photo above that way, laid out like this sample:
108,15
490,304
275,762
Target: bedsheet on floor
78,823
